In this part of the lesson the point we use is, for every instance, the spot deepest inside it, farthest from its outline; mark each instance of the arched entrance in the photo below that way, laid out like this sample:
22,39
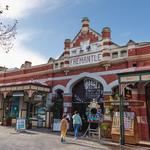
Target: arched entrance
147,94
58,104
83,92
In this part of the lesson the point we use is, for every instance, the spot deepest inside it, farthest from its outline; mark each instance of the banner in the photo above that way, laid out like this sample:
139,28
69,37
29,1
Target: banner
129,118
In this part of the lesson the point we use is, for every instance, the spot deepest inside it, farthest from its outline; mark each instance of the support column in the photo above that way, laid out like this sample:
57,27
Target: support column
143,115
141,112
67,103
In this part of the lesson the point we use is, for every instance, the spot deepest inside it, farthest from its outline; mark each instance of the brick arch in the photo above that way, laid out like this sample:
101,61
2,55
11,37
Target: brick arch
58,87
113,84
76,79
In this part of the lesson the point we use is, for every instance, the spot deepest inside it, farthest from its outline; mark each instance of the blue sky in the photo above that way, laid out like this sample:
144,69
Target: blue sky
45,24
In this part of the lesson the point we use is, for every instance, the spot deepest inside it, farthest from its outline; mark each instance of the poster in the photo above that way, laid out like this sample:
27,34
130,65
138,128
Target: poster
21,124
129,118
56,124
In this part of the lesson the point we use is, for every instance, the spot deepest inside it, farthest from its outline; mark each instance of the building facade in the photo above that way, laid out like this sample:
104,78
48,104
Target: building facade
87,69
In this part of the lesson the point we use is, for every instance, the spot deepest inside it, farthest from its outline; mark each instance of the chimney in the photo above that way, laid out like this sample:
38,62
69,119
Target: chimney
85,25
27,64
106,33
67,44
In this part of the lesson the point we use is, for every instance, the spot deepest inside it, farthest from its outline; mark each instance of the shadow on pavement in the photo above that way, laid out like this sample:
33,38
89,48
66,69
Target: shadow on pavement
24,132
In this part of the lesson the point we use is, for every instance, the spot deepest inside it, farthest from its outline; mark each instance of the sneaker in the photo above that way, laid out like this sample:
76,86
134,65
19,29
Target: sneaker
75,138
62,140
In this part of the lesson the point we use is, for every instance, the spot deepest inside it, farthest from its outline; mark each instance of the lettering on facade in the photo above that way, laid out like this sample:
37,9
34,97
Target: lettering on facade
85,59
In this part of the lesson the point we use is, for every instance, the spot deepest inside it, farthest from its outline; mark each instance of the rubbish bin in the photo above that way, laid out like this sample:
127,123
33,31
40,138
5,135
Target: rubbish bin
40,122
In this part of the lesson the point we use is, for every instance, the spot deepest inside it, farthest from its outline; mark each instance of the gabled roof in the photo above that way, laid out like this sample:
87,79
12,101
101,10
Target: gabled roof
90,30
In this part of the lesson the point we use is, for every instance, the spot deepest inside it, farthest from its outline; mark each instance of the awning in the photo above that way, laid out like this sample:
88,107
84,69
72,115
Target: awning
24,87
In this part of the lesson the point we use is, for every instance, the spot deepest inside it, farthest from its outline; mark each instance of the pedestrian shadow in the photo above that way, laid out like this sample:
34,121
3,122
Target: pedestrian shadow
85,145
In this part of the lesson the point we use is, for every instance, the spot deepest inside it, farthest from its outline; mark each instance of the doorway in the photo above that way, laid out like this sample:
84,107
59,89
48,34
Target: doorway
84,92
58,104
147,89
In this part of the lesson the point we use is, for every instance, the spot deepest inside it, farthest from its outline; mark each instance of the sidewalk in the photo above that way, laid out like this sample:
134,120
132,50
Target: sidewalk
95,143
113,145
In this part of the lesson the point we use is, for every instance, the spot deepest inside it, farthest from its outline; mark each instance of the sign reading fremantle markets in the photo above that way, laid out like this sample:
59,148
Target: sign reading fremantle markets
21,124
85,59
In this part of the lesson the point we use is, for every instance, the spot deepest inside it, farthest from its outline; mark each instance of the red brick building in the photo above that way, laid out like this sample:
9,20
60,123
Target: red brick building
87,69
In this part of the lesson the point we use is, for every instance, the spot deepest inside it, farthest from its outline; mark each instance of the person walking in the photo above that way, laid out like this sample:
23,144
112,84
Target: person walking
63,128
77,123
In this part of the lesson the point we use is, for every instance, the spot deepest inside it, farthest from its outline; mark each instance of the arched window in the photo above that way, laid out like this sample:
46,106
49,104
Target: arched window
86,90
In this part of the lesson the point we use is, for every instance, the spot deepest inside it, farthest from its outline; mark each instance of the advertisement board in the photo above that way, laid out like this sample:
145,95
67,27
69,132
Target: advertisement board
21,124
129,118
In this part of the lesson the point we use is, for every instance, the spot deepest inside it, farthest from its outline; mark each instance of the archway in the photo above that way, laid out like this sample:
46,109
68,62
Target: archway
83,92
147,94
58,104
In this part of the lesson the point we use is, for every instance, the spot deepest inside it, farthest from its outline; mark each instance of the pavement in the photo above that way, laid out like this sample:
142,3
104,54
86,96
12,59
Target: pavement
43,139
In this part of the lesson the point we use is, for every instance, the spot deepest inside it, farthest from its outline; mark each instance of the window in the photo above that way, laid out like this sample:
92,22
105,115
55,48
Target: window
123,53
73,52
134,65
56,65
115,55
84,45
61,64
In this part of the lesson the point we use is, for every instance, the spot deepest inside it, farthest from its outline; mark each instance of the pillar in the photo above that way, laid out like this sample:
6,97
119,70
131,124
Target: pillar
143,114
67,103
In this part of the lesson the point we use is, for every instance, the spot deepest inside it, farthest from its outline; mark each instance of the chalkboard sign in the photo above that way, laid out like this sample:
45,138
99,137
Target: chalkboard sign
21,124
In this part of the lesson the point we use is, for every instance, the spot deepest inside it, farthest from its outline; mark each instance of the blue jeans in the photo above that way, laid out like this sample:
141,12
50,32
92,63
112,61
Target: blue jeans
76,129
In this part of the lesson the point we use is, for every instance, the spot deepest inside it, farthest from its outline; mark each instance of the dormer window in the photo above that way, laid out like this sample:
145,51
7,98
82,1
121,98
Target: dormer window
84,45
115,55
81,51
61,64
73,52
123,53
56,65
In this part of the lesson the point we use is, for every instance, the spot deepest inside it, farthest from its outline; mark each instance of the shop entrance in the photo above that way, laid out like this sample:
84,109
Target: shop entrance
58,104
148,105
84,92
11,107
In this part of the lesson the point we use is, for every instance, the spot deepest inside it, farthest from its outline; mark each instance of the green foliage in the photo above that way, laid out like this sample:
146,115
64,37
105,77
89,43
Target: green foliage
105,126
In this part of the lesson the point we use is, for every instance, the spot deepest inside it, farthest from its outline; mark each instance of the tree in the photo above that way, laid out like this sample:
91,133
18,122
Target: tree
7,33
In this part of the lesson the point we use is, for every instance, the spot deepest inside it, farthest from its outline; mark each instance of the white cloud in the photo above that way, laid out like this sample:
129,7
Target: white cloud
21,8
19,54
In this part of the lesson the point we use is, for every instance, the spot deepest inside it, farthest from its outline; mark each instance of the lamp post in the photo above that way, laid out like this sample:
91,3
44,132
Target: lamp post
121,108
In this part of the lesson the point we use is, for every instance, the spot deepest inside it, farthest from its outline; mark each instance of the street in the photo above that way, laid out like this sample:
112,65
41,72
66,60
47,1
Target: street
44,140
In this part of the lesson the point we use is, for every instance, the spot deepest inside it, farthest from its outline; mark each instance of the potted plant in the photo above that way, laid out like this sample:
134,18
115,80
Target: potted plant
105,129
7,121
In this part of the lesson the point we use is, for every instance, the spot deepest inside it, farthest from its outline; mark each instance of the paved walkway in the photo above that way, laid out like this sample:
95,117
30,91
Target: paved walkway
34,140
42,139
